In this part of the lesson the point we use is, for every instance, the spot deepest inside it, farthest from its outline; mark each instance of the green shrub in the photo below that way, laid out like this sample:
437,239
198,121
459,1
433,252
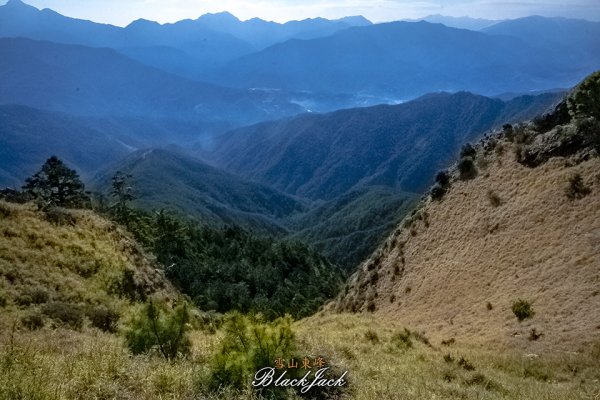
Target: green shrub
103,318
65,313
576,189
32,321
437,192
508,132
38,295
128,287
522,310
372,336
467,169
468,151
420,337
585,100
465,364
250,343
59,216
442,178
157,327
402,340
371,306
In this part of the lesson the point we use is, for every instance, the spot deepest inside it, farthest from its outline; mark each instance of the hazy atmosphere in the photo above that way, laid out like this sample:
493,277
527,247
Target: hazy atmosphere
299,199
122,12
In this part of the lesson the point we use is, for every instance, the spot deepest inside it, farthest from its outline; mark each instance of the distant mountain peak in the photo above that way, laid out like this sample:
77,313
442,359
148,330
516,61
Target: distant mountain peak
15,3
18,4
355,20
223,16
142,22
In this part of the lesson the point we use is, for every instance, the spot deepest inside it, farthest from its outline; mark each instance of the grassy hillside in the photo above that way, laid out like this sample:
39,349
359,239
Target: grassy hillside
520,225
57,254
71,258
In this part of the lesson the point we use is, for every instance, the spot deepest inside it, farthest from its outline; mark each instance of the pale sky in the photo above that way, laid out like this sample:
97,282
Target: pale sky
122,12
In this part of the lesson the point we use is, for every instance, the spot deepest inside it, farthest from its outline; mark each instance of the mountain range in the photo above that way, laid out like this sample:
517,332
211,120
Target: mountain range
100,81
323,156
187,47
276,127
409,59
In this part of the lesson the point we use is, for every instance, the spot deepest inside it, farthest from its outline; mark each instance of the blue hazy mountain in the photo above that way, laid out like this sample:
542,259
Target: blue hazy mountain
473,24
576,41
261,33
100,81
29,136
187,47
405,60
324,156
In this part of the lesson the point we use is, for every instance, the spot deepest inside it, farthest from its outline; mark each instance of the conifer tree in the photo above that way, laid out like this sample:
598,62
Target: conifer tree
55,184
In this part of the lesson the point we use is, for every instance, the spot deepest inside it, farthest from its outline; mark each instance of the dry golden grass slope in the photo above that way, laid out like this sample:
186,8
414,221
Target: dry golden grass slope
454,268
70,257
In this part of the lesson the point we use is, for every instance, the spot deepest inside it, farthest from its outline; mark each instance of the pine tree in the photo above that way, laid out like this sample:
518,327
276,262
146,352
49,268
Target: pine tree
56,185
123,193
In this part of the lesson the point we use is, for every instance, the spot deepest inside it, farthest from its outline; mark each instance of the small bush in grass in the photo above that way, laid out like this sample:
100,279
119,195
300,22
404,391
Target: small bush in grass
372,336
420,337
442,178
499,150
481,380
5,211
37,295
508,132
522,310
437,192
465,364
157,327
60,216
65,313
371,307
489,306
519,152
468,151
32,321
467,169
402,340
128,287
494,199
534,334
448,358
103,318
250,343
576,189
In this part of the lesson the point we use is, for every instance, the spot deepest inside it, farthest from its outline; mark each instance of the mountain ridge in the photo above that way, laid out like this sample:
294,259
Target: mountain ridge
322,156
